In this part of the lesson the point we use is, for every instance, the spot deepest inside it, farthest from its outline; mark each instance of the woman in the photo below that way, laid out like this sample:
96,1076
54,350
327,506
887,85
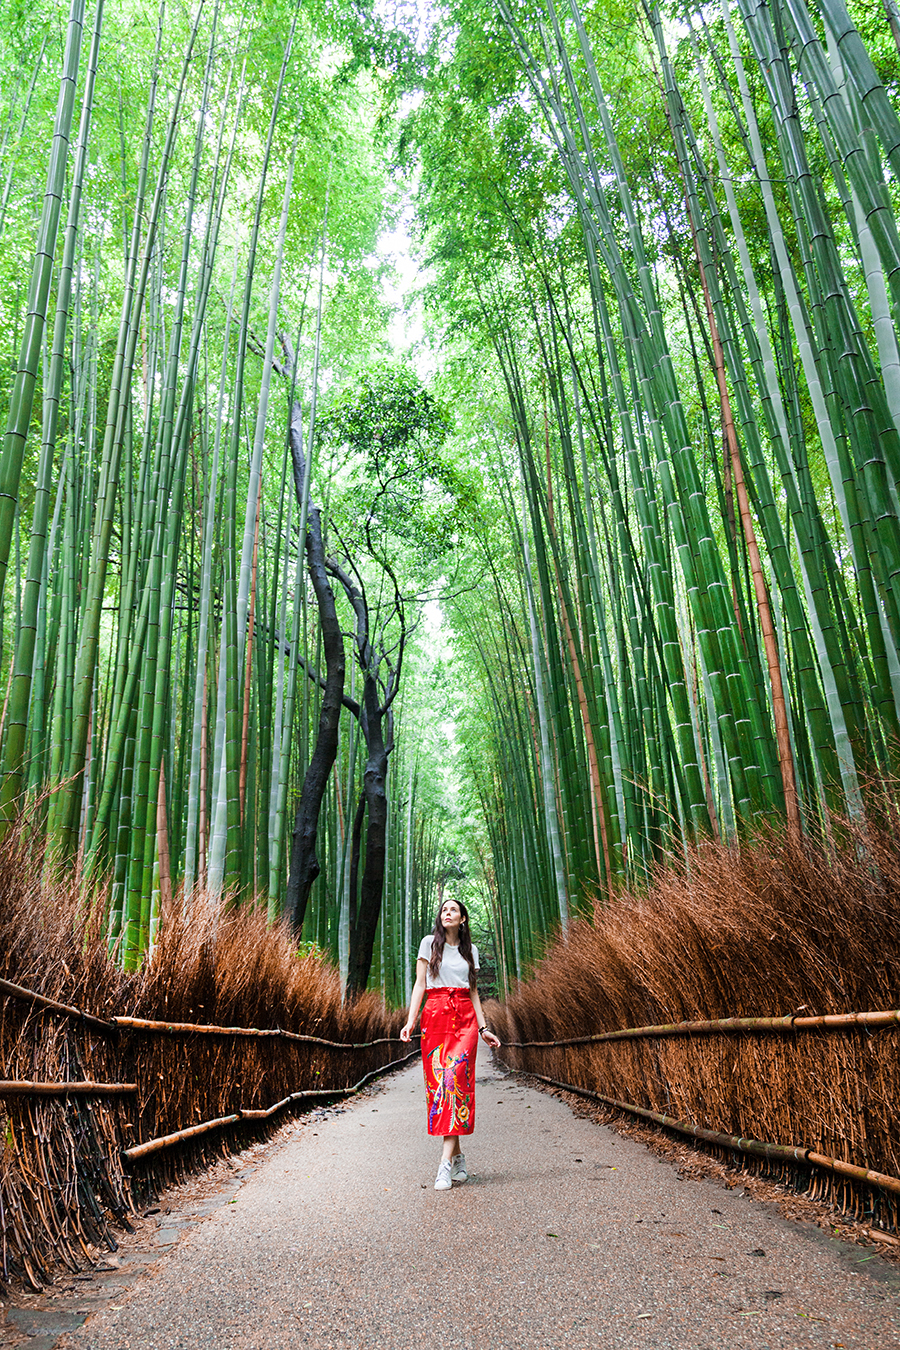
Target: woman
451,1024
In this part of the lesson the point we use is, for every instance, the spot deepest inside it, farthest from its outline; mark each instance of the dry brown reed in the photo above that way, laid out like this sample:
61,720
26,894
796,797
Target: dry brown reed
63,1187
768,929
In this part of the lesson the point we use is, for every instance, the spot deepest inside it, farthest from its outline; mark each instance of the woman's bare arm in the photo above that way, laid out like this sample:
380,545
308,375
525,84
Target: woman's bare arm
489,1038
415,1002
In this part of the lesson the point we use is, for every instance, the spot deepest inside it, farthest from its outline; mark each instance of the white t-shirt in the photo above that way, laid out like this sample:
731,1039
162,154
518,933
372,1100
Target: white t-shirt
454,972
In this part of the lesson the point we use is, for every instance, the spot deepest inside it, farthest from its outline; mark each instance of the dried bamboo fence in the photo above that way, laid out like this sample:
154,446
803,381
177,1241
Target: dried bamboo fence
83,1151
652,1009
115,1084
853,1182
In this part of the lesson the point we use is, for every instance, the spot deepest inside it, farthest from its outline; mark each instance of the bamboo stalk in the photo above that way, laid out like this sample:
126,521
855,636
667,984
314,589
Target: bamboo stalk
167,1140
190,1028
23,392
551,818
248,662
20,134
65,810
22,668
162,835
779,706
24,1087
826,1022
845,1169
28,995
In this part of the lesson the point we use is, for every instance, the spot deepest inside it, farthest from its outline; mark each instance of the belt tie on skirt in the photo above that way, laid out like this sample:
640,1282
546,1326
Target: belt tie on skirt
449,1046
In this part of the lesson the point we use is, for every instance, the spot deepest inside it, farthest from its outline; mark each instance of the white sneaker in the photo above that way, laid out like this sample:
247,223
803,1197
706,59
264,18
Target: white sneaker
458,1168
443,1182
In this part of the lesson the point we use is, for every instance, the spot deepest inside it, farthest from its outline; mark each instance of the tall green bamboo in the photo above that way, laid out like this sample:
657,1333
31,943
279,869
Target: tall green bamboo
19,416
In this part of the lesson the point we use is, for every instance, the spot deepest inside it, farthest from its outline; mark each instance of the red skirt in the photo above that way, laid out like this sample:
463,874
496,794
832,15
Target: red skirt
449,1045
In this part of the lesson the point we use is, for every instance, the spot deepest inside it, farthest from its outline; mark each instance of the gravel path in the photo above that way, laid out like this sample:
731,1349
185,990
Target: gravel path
566,1235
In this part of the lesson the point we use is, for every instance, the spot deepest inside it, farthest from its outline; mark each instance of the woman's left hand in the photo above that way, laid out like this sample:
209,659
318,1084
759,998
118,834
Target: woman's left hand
490,1039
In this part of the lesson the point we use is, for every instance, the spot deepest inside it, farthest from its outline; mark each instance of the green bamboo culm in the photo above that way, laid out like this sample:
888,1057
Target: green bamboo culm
20,691
23,391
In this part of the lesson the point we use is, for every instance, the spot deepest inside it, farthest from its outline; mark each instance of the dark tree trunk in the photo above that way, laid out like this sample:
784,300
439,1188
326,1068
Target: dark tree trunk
377,726
368,909
305,865
355,853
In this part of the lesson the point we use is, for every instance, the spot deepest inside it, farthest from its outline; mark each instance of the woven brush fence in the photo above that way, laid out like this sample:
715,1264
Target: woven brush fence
773,930
66,1177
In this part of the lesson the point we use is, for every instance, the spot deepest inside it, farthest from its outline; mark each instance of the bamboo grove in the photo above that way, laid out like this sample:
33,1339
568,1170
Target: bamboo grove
651,486
675,233
212,188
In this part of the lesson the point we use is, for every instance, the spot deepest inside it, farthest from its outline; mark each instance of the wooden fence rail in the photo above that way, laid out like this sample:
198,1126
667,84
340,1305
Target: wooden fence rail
205,1029
871,1021
117,1024
30,996
24,1087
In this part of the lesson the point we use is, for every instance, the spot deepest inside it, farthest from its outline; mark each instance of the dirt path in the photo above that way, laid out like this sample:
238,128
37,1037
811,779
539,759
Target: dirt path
566,1235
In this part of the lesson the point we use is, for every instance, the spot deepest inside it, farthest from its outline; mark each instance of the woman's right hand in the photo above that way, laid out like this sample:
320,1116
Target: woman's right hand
405,1032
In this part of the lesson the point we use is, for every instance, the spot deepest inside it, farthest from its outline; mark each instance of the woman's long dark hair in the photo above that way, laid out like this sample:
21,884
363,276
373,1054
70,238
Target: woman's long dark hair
439,937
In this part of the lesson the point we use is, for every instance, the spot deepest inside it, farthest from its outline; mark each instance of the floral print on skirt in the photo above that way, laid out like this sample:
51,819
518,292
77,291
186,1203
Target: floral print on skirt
449,1045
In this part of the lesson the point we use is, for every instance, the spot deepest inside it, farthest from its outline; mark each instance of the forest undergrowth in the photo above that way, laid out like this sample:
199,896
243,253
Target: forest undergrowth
64,1186
772,928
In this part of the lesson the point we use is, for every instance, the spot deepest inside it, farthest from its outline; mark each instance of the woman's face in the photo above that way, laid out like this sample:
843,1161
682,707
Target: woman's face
451,914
